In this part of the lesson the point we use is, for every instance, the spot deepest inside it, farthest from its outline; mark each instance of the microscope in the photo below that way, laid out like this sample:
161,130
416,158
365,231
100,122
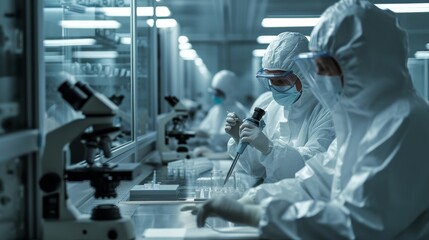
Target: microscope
61,220
177,118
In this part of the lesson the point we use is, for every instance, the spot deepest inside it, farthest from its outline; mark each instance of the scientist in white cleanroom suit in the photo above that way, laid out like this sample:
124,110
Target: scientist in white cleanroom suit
297,125
380,183
225,94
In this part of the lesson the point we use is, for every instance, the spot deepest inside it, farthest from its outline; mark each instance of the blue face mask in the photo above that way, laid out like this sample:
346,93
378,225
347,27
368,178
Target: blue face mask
286,98
217,99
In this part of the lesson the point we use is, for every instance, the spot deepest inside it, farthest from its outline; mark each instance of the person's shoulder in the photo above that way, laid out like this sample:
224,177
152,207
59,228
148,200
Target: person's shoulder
263,100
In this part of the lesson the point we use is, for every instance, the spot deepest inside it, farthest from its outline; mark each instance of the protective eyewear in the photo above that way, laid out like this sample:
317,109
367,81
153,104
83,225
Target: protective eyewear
310,65
281,82
314,73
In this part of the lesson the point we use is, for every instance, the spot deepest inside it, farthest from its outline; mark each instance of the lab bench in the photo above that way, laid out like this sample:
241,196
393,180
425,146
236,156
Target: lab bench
161,213
167,214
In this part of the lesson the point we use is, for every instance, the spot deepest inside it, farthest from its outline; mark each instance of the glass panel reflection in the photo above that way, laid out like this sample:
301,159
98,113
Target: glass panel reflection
83,42
144,83
12,70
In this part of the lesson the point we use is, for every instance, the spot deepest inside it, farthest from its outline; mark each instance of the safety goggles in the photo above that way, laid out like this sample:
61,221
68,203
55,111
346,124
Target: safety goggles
280,82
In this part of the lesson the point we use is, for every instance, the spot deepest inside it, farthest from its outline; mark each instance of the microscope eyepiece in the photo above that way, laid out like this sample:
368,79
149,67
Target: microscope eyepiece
73,95
85,88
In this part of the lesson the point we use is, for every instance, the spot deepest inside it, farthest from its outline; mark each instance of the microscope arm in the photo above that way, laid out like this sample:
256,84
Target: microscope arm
162,122
53,166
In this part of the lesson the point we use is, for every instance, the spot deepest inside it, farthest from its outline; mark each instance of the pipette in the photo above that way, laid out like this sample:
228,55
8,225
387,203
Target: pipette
256,117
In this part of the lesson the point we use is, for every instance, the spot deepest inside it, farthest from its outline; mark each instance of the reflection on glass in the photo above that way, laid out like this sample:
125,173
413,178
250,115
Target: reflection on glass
145,112
12,69
83,43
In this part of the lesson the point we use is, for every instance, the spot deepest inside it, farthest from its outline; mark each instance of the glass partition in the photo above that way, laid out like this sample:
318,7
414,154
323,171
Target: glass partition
90,41
13,114
145,93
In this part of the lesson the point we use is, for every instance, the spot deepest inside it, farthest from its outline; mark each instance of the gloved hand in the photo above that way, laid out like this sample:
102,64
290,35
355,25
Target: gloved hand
228,209
251,133
232,125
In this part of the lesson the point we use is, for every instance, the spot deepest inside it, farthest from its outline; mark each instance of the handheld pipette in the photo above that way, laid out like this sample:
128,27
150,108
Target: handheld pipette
256,117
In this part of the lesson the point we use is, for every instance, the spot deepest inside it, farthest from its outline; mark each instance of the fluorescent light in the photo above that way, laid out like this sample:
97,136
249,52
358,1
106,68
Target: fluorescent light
183,39
265,39
183,46
162,23
199,62
125,40
90,24
203,70
161,11
258,52
289,22
69,42
95,54
54,58
422,54
188,54
405,7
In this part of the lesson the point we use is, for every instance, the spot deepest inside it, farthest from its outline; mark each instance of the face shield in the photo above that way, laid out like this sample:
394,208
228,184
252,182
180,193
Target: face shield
324,79
281,82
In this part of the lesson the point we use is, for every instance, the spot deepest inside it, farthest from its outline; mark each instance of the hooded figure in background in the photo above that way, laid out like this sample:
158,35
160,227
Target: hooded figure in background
225,93
379,184
297,125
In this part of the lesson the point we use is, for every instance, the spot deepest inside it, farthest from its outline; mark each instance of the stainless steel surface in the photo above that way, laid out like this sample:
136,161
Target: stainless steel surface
168,216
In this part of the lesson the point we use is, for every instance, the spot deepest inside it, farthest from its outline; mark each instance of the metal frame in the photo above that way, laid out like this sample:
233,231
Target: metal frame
426,77
35,20
133,29
18,144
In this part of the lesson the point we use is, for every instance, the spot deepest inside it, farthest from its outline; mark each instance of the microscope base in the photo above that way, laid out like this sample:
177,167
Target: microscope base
85,228
173,155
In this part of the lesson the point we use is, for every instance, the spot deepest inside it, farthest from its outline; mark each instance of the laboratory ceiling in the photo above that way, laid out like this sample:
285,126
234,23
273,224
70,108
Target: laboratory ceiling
239,21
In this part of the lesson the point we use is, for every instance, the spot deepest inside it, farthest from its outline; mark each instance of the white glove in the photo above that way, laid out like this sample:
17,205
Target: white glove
251,133
228,209
232,125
